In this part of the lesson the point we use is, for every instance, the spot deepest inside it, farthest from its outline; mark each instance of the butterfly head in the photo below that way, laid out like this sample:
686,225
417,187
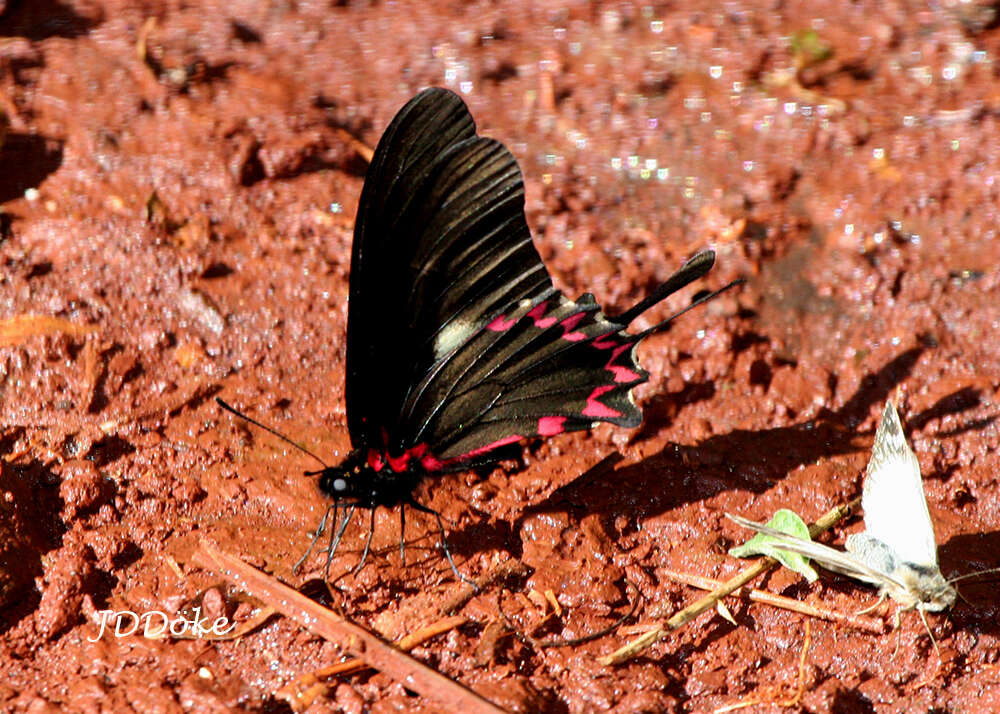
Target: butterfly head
925,588
356,480
349,481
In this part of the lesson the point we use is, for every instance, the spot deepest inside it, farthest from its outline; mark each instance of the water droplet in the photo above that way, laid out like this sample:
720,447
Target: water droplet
715,71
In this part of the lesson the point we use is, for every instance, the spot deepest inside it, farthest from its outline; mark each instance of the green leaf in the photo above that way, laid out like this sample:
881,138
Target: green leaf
788,522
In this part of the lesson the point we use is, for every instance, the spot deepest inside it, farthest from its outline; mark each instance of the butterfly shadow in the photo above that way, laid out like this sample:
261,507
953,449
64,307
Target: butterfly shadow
31,527
744,459
978,608
35,158
39,19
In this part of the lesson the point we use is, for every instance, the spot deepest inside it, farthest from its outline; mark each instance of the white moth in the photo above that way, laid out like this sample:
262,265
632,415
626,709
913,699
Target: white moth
896,552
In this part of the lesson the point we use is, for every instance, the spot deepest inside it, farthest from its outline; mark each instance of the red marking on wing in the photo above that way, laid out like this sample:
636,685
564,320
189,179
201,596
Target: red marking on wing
430,462
401,462
598,410
551,425
501,324
537,312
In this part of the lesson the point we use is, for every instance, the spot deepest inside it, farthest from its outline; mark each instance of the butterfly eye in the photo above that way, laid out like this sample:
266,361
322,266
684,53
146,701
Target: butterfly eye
340,485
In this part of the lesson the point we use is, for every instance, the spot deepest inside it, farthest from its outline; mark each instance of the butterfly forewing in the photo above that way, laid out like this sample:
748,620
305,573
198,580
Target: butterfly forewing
441,245
893,498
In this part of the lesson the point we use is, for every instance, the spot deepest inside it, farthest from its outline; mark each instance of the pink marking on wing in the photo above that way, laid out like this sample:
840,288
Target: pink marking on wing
494,445
536,314
605,344
432,463
375,460
598,410
551,425
621,374
568,324
501,324
572,321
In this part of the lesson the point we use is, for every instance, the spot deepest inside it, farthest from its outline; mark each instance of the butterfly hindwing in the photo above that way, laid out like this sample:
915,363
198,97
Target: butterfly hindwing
552,367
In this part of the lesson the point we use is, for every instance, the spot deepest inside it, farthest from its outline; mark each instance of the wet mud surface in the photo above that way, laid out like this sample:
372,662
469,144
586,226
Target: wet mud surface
178,183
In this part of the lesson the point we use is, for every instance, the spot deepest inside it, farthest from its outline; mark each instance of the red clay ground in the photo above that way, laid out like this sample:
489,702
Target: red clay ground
845,158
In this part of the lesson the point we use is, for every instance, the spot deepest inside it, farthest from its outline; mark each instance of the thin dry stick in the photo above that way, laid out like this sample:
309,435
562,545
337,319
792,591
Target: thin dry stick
862,623
708,602
301,692
359,642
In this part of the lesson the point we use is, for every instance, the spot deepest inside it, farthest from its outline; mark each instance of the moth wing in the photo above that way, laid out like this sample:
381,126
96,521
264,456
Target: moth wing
830,558
441,247
893,497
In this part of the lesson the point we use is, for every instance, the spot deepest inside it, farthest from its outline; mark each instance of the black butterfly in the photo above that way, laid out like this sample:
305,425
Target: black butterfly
457,342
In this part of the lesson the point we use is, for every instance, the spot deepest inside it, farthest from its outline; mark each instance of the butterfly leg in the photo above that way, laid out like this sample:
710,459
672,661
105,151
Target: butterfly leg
368,542
319,531
444,542
881,599
335,540
923,618
402,534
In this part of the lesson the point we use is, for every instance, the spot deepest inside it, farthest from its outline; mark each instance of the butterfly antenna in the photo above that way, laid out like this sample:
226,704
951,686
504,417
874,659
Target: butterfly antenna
954,580
268,429
402,534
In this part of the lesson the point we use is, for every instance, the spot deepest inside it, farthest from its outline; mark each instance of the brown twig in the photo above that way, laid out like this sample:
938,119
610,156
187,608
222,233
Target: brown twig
708,601
862,623
353,638
15,330
363,150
